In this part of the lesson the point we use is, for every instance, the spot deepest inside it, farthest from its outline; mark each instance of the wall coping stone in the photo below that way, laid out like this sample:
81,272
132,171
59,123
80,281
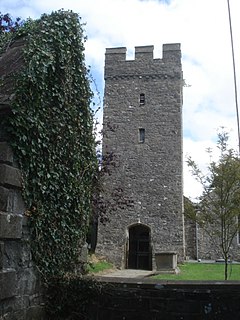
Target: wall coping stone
169,284
140,299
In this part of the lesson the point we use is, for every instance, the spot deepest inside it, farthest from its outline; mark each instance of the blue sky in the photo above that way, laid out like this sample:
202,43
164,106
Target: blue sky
202,28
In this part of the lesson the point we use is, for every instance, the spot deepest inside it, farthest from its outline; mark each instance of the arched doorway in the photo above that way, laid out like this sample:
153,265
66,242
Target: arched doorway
139,248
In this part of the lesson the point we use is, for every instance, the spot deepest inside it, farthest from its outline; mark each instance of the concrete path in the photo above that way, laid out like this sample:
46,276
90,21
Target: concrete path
126,273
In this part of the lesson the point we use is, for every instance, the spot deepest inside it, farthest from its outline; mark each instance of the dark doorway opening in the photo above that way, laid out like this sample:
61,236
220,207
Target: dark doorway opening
139,248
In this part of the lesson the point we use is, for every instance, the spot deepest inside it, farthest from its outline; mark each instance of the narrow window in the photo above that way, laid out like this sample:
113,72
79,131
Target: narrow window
142,98
141,135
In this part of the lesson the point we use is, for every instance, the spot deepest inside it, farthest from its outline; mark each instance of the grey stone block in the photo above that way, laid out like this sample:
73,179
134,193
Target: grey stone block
28,282
36,313
166,260
10,176
1,254
11,201
8,283
10,226
18,315
17,255
6,153
4,199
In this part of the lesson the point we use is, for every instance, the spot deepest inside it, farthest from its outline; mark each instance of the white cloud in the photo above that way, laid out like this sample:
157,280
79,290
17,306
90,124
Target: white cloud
202,28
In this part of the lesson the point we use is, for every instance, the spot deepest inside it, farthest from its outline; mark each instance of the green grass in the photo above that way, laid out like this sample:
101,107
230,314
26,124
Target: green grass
99,266
202,271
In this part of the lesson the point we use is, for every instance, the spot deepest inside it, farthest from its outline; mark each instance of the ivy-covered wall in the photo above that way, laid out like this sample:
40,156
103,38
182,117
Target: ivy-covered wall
47,126
21,294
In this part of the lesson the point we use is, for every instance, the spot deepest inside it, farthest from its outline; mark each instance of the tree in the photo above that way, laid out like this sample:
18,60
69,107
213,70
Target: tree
218,208
8,24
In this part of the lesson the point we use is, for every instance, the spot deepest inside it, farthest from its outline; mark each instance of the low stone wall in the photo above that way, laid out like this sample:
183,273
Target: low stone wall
150,300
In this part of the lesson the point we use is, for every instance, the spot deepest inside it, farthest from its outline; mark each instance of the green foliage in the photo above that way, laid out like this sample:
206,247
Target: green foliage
11,30
52,132
218,208
189,209
99,266
72,297
7,24
202,271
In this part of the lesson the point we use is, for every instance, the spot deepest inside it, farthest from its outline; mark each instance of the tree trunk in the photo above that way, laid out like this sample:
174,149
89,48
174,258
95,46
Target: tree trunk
226,268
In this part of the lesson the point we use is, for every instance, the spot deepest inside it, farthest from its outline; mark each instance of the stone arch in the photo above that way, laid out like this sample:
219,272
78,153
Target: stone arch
139,248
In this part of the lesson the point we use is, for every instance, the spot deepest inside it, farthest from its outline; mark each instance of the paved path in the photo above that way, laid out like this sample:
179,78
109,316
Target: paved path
134,274
126,273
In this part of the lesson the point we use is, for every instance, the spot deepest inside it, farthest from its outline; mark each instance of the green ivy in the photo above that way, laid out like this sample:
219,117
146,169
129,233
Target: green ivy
74,298
52,132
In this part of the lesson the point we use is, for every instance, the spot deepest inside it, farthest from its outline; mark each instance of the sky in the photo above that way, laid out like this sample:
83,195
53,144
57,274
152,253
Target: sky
202,28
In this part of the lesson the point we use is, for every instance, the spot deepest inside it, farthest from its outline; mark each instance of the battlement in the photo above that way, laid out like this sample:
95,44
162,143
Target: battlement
116,54
144,52
169,51
117,65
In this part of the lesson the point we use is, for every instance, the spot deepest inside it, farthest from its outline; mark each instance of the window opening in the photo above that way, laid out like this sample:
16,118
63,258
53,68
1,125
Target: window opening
142,98
141,135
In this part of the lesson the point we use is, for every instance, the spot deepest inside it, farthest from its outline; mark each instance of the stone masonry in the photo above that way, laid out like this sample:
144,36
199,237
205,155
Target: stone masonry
142,128
20,291
141,299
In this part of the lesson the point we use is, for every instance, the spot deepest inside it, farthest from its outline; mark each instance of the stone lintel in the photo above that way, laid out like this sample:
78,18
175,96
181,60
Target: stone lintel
10,176
10,226
8,283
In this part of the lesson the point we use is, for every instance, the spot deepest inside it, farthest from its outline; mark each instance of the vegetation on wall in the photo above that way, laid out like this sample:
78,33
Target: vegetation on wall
51,128
72,298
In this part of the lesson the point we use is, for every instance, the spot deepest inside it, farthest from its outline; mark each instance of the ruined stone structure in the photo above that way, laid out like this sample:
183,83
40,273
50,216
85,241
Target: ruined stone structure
143,131
20,291
205,247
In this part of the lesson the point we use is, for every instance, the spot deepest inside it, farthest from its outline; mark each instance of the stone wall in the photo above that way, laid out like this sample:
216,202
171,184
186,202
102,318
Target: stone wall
136,300
190,239
20,292
199,245
149,171
210,248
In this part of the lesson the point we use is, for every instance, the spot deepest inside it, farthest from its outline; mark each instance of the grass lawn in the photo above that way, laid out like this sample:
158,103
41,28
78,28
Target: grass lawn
95,265
202,271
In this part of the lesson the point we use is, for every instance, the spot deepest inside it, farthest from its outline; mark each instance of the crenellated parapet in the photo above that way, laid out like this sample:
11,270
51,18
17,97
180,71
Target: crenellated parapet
117,66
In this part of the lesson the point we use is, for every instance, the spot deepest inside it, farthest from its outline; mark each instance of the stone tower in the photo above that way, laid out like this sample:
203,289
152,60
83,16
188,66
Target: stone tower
143,130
